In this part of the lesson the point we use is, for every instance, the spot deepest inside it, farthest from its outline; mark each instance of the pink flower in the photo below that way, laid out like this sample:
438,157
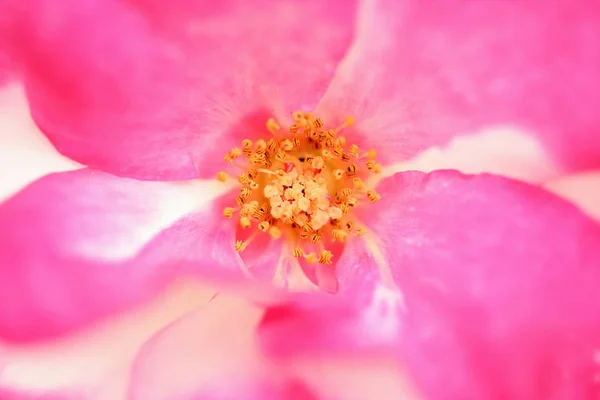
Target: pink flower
482,282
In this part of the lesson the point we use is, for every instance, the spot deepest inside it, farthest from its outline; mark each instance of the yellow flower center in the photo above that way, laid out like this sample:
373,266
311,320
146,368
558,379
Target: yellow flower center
301,184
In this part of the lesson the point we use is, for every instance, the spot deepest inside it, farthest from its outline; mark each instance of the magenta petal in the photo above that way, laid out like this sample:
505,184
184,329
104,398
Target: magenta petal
422,72
235,388
79,245
148,89
363,318
500,282
24,395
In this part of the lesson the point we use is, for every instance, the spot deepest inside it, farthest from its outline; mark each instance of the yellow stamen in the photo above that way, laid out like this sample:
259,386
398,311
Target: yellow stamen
245,222
263,226
272,125
373,196
297,252
222,176
325,257
311,258
275,232
301,184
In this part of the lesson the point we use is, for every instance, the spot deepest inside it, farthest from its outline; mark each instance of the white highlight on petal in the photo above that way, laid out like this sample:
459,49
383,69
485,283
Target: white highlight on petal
502,150
582,189
96,361
166,203
383,314
25,153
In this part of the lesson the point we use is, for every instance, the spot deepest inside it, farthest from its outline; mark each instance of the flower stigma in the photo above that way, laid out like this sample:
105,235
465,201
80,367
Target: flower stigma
301,184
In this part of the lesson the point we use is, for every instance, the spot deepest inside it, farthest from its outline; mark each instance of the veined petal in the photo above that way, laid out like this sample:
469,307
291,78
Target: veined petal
79,245
424,72
155,95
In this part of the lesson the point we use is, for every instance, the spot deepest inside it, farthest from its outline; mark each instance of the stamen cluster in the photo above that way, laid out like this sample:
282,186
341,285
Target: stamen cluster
301,183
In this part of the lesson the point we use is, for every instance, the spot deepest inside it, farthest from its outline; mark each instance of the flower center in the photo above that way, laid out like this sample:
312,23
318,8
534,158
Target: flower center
302,183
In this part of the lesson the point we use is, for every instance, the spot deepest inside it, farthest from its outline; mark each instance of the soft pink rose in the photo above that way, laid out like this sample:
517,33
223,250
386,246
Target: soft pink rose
466,284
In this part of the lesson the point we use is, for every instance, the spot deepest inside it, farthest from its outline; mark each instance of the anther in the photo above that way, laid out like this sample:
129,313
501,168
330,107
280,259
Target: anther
358,184
347,123
351,170
297,115
286,145
345,192
327,154
354,150
318,163
325,257
228,212
240,200
281,155
240,246
272,125
245,222
338,174
263,226
246,143
222,176
373,196
298,253
311,258
318,123
272,145
245,191
339,235
360,231
260,147
233,154
275,232
316,237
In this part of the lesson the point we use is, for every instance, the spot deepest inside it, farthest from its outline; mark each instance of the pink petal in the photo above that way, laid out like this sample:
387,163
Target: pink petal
500,282
79,245
159,94
242,390
23,395
90,362
582,189
201,348
25,153
363,318
422,72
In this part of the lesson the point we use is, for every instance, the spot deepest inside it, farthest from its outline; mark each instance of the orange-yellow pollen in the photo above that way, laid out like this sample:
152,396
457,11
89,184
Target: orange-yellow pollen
222,176
301,184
